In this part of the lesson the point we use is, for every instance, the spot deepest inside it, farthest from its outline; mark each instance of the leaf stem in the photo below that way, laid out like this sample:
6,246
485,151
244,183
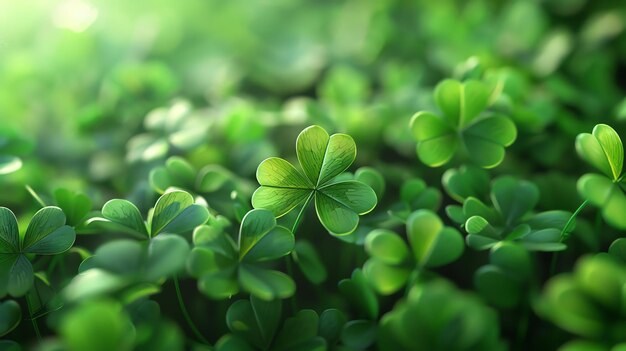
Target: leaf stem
33,320
183,309
296,224
565,235
288,258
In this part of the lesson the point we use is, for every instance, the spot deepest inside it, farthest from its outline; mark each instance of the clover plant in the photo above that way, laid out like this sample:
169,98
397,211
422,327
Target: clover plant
151,197
174,212
463,128
422,320
431,245
585,302
223,266
603,149
47,234
508,218
322,158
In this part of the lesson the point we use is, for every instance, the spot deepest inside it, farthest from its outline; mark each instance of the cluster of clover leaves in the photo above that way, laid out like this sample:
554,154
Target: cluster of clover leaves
226,259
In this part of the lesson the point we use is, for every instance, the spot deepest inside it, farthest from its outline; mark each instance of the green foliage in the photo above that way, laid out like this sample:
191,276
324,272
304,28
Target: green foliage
509,218
98,325
430,311
463,126
586,301
322,158
603,149
10,316
46,234
415,195
505,281
142,126
431,245
223,266
174,212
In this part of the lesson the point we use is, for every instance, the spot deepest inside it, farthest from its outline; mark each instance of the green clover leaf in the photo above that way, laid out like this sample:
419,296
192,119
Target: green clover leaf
415,195
360,294
462,127
223,266
178,173
589,301
603,149
424,319
466,181
46,234
256,324
322,158
174,213
504,281
509,219
10,316
133,268
392,261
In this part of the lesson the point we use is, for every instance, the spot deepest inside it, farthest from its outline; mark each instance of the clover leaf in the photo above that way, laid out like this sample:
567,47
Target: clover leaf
46,234
10,316
589,301
256,325
466,181
322,158
424,319
415,195
131,268
308,260
223,266
360,294
504,281
603,149
509,218
174,213
179,173
392,261
463,127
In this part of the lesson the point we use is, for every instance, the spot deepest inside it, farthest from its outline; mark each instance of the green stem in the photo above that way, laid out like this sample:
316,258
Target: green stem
33,320
288,258
565,235
183,309
296,224
564,232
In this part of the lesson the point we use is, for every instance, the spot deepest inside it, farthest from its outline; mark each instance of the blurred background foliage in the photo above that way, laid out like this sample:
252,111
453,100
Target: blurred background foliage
94,95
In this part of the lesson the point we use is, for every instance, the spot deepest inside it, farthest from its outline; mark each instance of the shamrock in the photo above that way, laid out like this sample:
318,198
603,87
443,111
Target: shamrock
462,128
589,302
392,261
603,149
415,195
174,213
46,234
322,157
256,325
224,266
509,218
425,319
130,267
